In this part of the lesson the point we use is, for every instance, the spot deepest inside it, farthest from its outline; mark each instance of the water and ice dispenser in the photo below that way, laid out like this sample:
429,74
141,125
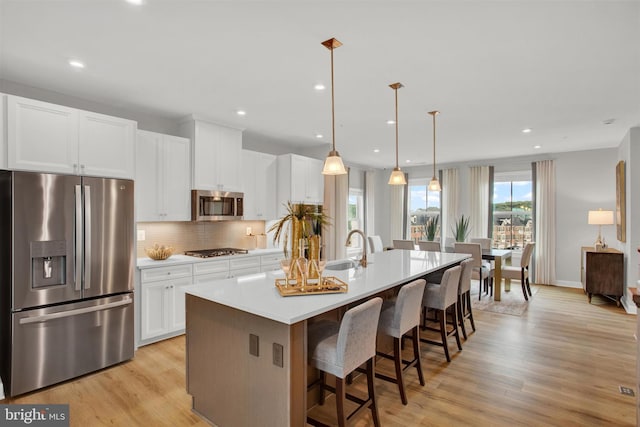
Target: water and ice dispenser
48,263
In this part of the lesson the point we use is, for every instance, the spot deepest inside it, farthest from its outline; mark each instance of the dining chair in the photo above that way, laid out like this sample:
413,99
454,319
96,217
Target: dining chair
481,271
375,244
443,298
521,273
429,246
485,243
404,244
339,349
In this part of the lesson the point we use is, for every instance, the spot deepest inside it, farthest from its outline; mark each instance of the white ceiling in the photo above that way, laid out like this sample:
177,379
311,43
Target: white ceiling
491,67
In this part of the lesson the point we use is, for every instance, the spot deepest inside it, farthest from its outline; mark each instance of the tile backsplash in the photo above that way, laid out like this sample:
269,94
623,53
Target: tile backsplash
184,236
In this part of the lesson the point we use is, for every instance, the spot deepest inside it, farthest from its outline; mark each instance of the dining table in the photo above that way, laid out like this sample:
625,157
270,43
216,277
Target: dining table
497,256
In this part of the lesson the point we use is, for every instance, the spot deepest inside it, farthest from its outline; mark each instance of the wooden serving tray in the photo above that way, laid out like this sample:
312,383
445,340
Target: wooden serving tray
329,285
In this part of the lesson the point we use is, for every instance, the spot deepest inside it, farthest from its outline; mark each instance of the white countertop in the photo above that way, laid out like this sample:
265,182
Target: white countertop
176,259
257,294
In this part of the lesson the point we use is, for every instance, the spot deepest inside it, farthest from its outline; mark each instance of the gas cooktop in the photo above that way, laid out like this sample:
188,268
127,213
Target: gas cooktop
208,253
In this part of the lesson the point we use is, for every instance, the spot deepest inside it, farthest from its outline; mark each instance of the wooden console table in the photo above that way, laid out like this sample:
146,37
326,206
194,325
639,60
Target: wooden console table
602,272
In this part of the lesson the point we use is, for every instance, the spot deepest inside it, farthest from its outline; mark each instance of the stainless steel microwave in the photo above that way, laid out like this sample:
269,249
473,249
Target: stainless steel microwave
216,205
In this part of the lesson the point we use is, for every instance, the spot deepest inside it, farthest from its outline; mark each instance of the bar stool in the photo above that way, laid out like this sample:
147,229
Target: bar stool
441,297
398,317
340,349
464,296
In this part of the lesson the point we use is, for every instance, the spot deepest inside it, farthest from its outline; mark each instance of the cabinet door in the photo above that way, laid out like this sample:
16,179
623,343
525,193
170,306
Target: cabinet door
314,191
148,187
176,179
107,146
177,304
154,312
298,179
41,137
259,185
266,186
229,159
205,138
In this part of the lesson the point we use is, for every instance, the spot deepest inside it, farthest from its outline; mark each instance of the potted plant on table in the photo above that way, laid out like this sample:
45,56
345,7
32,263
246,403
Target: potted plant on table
461,229
431,228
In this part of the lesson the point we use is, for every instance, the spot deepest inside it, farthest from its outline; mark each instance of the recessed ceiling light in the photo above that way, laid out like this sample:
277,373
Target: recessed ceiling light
319,86
537,147
527,130
608,121
319,135
241,113
391,122
76,64
136,2
376,150
408,161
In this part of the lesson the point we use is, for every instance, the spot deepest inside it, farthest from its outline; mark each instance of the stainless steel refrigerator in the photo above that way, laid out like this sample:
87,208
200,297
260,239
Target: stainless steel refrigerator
66,277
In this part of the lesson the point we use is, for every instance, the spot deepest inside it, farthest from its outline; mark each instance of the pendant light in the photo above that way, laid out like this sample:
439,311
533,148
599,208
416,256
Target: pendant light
397,176
434,185
333,164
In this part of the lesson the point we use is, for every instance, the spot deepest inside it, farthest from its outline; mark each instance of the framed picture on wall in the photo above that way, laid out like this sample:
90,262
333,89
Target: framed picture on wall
620,202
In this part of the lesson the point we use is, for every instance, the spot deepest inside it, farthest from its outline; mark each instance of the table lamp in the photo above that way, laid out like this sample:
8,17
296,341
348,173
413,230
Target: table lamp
600,218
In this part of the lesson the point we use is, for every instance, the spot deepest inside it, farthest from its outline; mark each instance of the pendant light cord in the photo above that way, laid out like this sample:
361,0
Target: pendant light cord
396,91
333,116
434,145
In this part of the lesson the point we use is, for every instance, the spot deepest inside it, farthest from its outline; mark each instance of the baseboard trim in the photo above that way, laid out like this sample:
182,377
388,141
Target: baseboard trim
568,284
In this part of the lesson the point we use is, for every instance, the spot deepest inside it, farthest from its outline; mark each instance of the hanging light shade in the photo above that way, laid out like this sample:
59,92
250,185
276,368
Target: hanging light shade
434,184
397,176
333,164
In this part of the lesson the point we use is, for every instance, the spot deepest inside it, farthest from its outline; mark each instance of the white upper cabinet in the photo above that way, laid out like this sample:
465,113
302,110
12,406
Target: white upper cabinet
107,145
259,185
3,131
300,180
46,137
41,136
216,156
162,177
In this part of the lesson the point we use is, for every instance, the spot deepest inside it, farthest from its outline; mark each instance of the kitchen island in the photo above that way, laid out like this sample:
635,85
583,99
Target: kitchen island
247,346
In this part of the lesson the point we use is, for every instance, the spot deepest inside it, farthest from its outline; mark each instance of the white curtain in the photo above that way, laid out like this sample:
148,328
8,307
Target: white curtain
396,217
369,200
479,209
450,195
545,222
336,197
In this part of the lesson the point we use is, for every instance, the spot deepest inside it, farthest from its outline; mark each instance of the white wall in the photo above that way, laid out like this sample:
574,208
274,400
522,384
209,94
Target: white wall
629,151
585,180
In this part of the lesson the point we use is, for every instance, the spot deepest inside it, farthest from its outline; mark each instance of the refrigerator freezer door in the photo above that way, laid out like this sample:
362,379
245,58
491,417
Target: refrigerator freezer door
54,344
109,260
43,237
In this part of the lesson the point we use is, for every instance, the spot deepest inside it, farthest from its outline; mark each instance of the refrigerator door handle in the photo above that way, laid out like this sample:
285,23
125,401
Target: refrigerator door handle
78,239
69,313
87,237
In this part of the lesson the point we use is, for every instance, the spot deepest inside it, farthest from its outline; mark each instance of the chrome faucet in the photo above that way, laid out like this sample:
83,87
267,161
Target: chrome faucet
363,260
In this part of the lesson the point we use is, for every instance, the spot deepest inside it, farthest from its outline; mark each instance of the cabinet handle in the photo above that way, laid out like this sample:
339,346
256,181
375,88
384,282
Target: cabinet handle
168,273
75,167
82,167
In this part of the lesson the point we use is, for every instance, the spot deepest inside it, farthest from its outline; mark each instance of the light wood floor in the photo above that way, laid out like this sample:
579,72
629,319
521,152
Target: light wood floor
559,364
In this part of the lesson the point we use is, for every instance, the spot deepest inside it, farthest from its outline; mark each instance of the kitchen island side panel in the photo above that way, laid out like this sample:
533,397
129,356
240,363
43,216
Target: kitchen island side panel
230,386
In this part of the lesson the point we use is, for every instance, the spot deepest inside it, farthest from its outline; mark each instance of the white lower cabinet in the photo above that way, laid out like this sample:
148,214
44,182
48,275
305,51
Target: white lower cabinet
162,300
162,295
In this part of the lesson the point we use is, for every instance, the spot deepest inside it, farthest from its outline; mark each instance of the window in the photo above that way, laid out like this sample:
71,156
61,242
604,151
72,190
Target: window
423,206
355,214
512,210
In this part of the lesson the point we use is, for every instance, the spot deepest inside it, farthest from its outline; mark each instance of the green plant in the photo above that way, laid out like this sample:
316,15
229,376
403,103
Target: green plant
461,229
432,227
306,221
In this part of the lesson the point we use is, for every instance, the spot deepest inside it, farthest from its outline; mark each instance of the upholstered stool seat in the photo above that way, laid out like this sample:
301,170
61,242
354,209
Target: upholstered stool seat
398,317
440,298
340,349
